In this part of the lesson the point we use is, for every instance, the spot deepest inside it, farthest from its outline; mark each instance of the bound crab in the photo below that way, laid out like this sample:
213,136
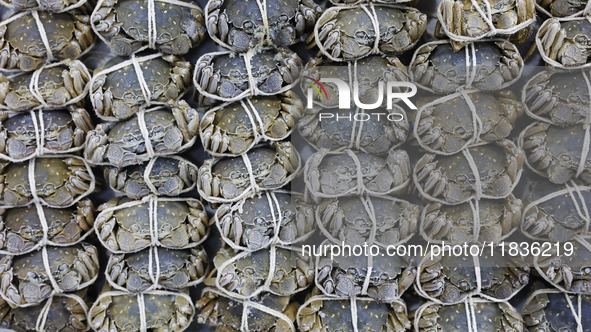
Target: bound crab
25,280
125,25
496,64
22,47
454,122
563,43
345,33
117,93
266,167
561,8
125,143
350,172
21,229
278,270
51,86
356,2
126,226
168,176
60,131
552,310
557,153
476,221
59,181
226,76
241,25
154,311
156,268
53,6
234,128
377,220
264,312
272,217
480,171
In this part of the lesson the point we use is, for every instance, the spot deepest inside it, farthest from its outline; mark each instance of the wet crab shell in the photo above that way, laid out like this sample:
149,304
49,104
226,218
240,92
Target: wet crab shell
345,33
552,310
452,180
52,86
22,48
123,143
21,229
126,226
25,281
358,220
117,94
272,217
471,315
168,176
120,311
497,220
54,6
561,8
348,172
265,312
357,2
563,43
243,25
266,167
486,66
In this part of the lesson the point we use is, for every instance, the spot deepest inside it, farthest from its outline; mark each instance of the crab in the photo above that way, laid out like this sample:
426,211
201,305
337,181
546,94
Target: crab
233,315
246,274
58,85
59,181
497,219
552,310
231,179
436,66
234,128
556,152
53,6
449,125
452,180
345,33
227,76
118,95
21,45
272,217
168,176
120,311
347,276
123,144
568,271
565,43
21,230
240,25
24,279
170,269
561,8
350,172
123,226
357,2
357,220
473,315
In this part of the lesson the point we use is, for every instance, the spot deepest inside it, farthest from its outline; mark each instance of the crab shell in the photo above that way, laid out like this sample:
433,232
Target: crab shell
167,176
227,76
123,225
356,2
120,311
272,217
265,312
564,43
497,219
234,128
24,279
240,25
438,68
552,310
21,230
116,93
59,181
21,45
54,6
348,172
230,179
472,315
123,144
561,8
58,85
355,220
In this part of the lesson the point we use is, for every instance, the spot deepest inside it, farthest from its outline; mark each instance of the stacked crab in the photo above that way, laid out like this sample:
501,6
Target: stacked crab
45,267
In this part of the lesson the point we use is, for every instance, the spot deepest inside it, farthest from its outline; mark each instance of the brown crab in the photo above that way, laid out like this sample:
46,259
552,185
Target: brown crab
564,43
552,310
561,8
